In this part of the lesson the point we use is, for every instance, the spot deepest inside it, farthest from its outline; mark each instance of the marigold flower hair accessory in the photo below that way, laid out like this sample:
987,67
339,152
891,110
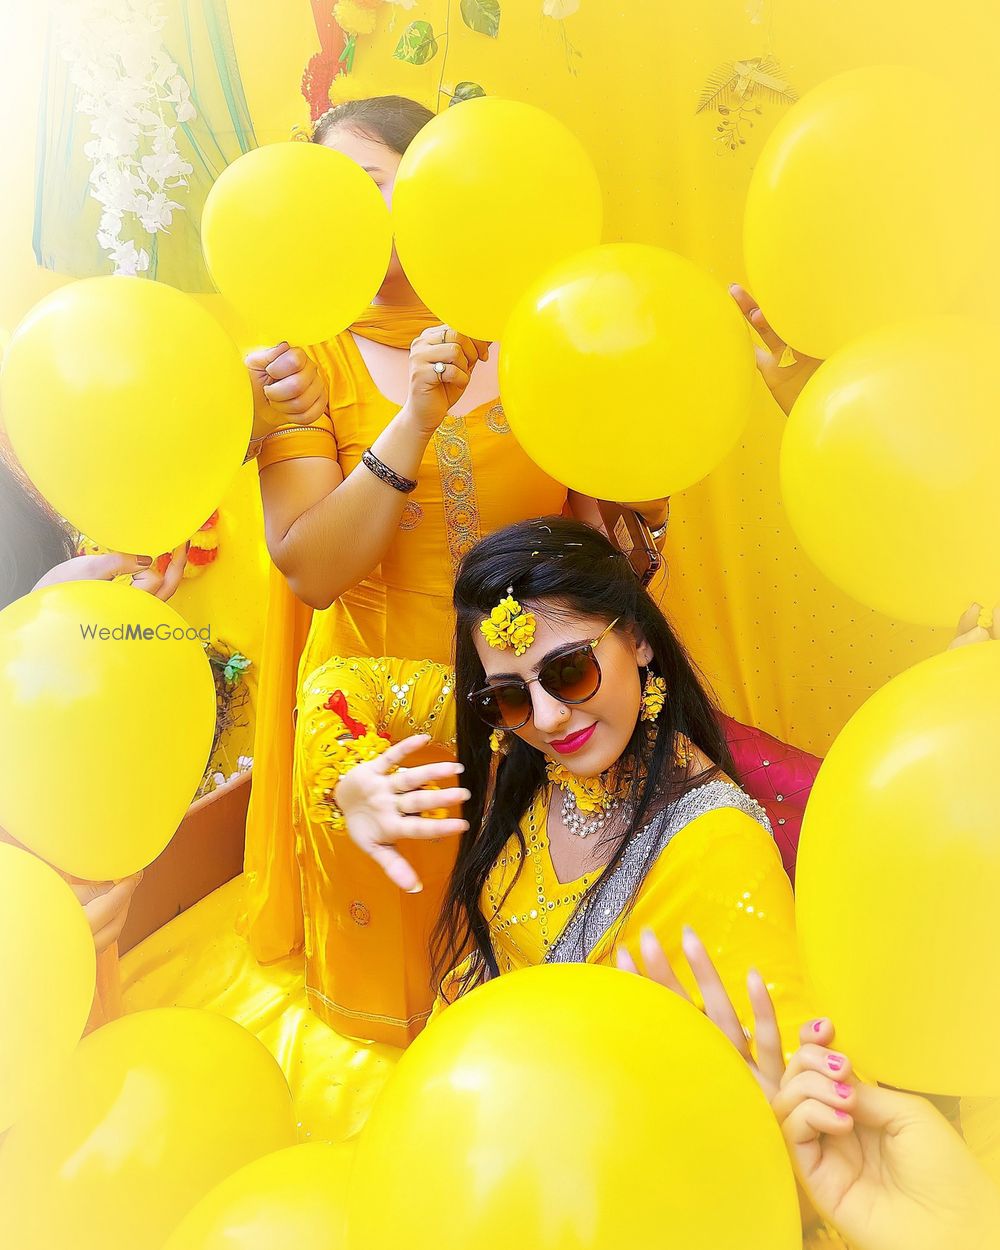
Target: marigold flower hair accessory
509,627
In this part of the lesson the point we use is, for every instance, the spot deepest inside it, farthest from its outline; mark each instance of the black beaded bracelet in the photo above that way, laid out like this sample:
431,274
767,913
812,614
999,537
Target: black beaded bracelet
405,485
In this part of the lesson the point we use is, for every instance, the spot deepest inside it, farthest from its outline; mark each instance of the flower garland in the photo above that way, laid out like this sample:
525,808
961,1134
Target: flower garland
203,550
509,626
346,743
132,91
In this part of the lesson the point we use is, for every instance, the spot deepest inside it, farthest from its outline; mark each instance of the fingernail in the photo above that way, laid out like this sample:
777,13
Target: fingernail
843,1090
417,889
835,1062
734,287
818,1025
841,1115
145,561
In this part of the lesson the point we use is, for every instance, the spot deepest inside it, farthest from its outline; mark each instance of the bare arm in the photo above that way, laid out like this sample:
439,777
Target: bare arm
326,532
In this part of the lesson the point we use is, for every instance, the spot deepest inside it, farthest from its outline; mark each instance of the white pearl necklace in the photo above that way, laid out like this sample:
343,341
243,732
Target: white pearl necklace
584,824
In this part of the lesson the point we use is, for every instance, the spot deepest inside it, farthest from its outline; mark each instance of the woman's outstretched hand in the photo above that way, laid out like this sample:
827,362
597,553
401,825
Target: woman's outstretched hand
384,802
785,372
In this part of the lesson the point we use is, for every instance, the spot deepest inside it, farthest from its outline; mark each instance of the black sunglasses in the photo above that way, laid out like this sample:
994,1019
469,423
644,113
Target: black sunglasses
571,676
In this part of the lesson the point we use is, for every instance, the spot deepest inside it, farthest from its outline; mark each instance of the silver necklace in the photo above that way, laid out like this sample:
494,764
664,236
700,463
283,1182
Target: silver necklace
584,824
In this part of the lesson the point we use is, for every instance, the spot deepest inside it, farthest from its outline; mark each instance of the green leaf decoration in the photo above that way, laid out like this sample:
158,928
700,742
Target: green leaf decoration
483,16
417,44
465,91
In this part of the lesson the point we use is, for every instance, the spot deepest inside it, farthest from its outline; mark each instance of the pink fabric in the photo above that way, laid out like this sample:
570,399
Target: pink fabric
778,776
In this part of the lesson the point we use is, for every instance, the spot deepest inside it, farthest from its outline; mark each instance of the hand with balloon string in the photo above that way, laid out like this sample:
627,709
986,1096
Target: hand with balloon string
109,565
288,388
441,365
785,371
883,1168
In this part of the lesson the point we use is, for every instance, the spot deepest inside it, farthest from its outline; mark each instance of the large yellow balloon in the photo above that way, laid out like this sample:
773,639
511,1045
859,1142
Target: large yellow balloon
297,238
47,983
130,409
487,197
108,716
889,464
572,1106
899,874
857,215
151,1113
626,372
295,1198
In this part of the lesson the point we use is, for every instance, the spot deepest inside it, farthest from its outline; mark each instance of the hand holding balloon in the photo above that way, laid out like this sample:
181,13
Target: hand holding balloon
111,564
287,388
433,391
784,378
971,627
885,1168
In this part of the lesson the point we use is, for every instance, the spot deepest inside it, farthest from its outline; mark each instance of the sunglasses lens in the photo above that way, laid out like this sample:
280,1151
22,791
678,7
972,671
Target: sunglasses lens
573,677
504,707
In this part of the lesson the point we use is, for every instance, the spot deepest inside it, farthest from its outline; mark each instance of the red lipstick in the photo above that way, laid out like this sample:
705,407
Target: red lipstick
567,746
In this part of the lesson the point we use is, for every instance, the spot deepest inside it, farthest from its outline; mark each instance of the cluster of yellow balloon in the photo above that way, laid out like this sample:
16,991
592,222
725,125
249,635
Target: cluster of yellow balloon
297,238
129,408
150,1113
572,1106
857,225
899,875
108,717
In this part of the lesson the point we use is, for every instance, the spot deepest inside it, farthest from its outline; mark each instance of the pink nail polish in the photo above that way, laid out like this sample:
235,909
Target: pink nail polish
835,1063
843,1090
842,1115
817,1026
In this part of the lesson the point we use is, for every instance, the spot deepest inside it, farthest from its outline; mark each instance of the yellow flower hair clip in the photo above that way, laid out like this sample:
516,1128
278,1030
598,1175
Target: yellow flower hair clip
509,627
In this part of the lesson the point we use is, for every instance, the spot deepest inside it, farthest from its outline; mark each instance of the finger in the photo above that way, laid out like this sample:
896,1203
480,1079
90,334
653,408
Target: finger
263,356
970,638
995,629
108,906
416,801
426,775
839,1095
454,381
813,1058
431,827
767,1035
774,342
657,965
820,1031
174,572
399,871
808,1121
289,364
113,564
969,618
294,386
304,408
396,754
449,353
474,350
718,1006
625,961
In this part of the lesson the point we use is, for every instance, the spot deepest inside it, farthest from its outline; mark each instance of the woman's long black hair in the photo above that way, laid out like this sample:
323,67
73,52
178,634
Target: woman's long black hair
566,566
33,539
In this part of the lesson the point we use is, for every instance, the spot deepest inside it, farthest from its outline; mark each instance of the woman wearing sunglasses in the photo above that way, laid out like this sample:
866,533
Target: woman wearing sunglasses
597,784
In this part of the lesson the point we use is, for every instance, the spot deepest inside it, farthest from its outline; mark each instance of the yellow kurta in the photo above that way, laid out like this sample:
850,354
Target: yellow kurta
474,478
721,875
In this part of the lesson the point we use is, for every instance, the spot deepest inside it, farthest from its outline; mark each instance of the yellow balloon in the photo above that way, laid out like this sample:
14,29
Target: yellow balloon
572,1106
898,877
130,409
487,197
47,984
295,1198
297,238
889,463
108,716
626,372
857,215
151,1113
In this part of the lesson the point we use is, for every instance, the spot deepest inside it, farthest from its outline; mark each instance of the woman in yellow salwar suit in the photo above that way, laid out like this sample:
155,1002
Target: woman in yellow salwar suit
595,781
368,509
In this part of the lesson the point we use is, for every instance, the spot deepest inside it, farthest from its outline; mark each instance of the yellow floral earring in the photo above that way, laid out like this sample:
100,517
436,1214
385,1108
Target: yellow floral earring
654,696
498,744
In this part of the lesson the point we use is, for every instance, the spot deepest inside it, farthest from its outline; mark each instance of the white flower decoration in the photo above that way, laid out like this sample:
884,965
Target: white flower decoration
132,91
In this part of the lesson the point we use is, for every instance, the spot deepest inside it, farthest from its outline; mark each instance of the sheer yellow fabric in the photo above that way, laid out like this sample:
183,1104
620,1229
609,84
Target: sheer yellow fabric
474,478
367,943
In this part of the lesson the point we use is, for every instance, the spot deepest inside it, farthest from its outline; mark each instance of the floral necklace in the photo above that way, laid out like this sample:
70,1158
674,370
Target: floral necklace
588,803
